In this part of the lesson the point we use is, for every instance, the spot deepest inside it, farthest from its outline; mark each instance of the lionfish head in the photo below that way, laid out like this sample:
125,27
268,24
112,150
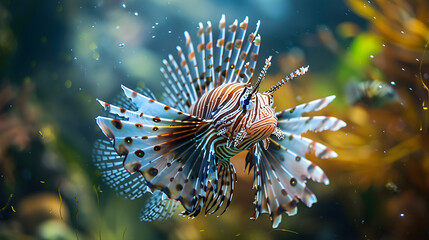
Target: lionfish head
265,121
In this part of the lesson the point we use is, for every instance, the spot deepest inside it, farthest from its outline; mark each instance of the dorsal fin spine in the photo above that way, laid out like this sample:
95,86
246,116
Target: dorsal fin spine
220,45
237,48
229,46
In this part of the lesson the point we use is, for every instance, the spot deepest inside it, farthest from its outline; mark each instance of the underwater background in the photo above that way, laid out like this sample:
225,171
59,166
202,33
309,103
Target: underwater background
57,57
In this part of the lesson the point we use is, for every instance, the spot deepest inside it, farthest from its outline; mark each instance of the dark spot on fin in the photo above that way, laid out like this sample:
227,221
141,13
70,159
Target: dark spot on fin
153,172
116,123
139,153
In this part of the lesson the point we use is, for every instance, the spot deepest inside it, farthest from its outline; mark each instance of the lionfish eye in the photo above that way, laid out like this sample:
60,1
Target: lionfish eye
245,100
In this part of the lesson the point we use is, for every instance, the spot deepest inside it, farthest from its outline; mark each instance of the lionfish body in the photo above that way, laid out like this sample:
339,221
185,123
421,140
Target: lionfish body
211,113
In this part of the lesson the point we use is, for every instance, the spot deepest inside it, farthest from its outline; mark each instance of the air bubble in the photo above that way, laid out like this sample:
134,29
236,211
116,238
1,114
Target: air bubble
403,69
401,215
371,56
124,5
121,45
392,83
402,32
136,14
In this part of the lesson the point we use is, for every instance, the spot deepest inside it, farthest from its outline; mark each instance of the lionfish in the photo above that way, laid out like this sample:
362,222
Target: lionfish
211,112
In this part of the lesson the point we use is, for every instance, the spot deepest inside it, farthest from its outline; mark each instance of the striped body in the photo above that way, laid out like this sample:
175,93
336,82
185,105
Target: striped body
237,130
180,149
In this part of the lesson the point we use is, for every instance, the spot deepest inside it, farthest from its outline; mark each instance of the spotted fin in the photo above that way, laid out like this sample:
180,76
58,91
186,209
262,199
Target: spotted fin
112,171
297,111
302,145
172,150
303,124
280,181
158,208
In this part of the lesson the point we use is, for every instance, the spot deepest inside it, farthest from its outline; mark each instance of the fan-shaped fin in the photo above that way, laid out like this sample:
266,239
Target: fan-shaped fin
158,208
317,124
151,107
280,181
297,111
112,171
301,145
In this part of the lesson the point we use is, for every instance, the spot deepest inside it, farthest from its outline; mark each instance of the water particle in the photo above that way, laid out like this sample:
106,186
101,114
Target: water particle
371,56
117,27
96,56
136,14
153,36
169,31
392,83
411,89
363,221
403,69
121,45
401,215
156,23
380,86
374,17
402,32
417,60
384,45
426,76
124,5
153,26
